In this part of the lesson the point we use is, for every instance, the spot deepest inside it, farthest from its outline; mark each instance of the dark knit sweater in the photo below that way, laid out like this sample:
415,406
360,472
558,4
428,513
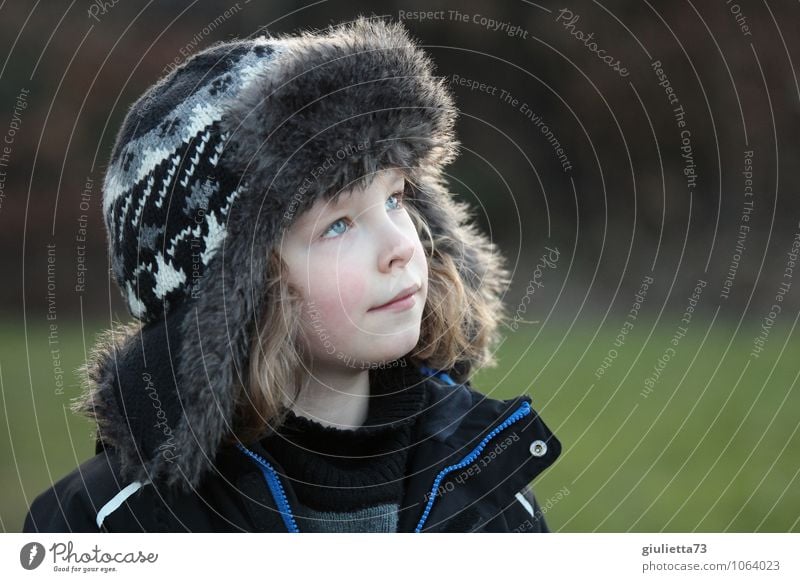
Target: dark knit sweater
351,480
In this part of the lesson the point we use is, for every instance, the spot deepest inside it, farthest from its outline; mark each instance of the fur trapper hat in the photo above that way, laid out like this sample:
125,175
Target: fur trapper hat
210,166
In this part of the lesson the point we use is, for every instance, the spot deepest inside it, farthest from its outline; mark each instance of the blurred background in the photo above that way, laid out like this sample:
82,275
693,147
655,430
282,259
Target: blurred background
634,162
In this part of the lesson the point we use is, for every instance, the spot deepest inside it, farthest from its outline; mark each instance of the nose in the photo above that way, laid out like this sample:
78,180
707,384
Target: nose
396,248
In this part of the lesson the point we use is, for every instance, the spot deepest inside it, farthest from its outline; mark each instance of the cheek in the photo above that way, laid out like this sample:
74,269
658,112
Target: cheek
339,291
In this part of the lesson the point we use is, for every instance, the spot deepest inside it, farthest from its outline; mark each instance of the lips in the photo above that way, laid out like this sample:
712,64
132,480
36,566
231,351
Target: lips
402,294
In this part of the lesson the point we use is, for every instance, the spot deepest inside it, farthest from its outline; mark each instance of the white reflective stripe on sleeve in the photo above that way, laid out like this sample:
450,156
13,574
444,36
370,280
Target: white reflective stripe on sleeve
525,503
118,500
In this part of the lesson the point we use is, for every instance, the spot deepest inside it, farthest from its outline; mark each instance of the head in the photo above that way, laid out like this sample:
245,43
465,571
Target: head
338,261
245,273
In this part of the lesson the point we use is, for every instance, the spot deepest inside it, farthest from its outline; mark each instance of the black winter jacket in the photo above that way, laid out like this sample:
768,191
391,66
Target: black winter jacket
469,470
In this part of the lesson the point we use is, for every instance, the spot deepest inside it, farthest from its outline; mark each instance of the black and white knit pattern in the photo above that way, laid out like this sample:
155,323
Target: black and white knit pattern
166,198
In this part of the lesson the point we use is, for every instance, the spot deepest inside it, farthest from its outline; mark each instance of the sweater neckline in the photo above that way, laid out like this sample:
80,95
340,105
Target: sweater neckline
396,398
334,468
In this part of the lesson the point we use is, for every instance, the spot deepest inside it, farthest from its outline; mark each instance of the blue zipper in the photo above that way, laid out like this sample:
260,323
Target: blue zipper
275,487
279,495
521,412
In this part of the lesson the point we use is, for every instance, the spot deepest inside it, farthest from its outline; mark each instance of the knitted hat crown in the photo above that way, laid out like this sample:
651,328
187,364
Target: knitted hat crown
210,166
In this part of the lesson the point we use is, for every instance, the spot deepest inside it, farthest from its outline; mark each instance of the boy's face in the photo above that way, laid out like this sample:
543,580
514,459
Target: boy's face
348,258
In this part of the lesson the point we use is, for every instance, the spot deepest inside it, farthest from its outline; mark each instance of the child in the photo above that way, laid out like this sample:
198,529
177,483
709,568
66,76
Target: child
311,303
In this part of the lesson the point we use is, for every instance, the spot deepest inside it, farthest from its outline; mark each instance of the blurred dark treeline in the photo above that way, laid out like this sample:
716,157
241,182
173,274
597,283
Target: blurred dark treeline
621,209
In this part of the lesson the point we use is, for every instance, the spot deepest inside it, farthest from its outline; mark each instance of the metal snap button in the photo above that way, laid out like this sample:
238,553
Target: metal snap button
538,448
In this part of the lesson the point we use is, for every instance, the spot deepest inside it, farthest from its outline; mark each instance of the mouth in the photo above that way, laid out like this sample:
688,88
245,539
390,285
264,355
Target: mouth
402,300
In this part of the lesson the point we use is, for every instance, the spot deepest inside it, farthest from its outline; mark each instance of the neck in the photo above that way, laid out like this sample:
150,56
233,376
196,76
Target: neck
335,396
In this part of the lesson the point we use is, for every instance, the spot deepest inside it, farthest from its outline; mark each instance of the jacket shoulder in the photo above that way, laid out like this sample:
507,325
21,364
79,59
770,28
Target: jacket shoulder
77,502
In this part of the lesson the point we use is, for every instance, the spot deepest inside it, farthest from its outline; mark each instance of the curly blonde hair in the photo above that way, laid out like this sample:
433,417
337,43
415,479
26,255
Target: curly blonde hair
459,325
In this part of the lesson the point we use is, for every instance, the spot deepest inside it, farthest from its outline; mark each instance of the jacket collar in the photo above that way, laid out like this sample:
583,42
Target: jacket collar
472,454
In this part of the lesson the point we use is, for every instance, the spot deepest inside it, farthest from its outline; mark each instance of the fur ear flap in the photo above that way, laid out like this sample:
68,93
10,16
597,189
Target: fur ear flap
161,429
98,400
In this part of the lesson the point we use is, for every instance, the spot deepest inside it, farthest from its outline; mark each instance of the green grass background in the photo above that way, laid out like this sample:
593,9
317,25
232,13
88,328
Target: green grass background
714,447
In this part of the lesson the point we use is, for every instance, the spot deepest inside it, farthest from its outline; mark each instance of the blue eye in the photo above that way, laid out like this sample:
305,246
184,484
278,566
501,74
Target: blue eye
397,206
330,228
400,198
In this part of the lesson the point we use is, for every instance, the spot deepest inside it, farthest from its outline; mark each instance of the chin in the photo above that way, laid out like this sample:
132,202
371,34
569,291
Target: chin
398,350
